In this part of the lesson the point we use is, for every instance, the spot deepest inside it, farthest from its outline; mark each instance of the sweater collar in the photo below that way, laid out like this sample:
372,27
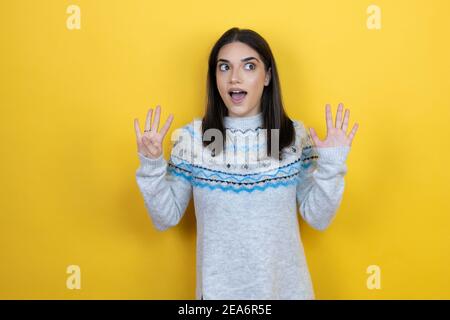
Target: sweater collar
243,123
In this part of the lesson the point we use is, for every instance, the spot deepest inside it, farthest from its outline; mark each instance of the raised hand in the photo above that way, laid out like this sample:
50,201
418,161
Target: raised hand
151,141
336,134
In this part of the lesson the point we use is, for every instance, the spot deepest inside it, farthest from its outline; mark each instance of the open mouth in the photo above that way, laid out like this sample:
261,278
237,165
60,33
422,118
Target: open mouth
237,96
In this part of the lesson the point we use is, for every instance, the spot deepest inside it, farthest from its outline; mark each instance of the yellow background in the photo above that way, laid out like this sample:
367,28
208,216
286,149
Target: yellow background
68,160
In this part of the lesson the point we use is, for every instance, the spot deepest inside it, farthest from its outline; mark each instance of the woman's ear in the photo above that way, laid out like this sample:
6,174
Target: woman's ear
268,77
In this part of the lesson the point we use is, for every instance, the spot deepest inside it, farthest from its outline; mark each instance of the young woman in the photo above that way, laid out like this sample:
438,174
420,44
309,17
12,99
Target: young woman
248,239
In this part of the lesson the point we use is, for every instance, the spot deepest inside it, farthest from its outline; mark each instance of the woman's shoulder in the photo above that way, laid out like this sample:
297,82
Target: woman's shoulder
183,139
302,136
188,129
303,140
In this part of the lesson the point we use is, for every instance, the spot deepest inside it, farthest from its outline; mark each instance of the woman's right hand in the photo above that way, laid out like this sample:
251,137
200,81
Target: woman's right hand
151,141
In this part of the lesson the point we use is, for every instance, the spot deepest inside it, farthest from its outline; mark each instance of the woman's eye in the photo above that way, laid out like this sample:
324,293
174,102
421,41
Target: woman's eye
251,64
222,65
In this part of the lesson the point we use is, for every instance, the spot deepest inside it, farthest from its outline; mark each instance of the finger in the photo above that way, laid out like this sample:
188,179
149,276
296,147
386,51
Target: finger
329,117
339,116
353,132
155,123
137,129
166,126
346,115
148,119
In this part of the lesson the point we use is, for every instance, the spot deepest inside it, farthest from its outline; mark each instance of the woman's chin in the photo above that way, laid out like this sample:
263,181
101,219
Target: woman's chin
239,111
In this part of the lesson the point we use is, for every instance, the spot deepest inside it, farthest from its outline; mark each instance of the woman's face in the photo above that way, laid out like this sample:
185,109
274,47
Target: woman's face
240,68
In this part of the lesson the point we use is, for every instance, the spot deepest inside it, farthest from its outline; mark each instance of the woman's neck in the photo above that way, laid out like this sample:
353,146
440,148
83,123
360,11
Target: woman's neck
244,122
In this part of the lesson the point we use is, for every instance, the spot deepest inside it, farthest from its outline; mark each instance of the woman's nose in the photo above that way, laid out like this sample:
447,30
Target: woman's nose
235,76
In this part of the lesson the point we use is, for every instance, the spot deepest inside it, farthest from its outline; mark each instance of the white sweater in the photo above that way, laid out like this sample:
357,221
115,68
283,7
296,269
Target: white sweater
248,237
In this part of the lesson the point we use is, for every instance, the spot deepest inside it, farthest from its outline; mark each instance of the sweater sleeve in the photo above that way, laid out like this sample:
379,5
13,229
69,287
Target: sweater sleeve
166,185
321,184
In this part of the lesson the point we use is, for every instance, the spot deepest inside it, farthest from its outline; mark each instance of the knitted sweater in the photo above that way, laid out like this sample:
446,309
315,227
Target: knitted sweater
248,235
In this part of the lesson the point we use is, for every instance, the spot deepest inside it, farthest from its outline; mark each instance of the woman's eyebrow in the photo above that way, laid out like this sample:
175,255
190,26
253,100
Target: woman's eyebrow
243,60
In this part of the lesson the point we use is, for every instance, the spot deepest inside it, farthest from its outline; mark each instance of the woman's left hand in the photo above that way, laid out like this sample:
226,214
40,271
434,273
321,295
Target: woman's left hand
336,134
